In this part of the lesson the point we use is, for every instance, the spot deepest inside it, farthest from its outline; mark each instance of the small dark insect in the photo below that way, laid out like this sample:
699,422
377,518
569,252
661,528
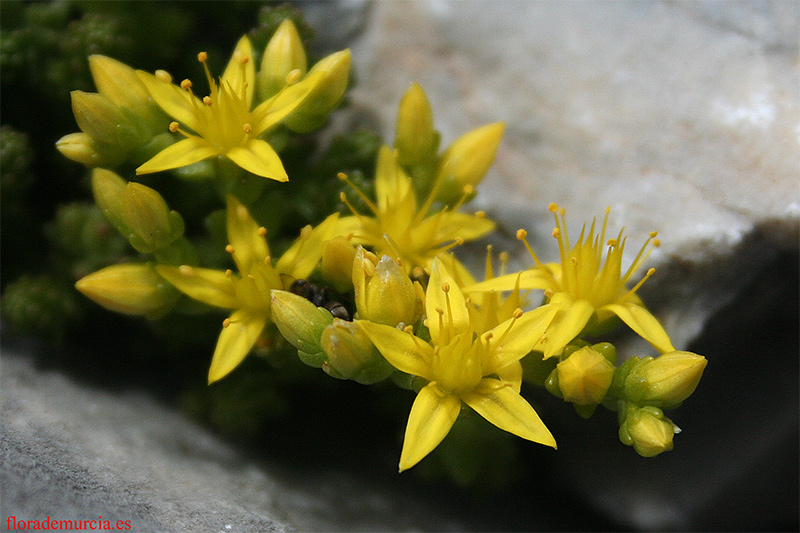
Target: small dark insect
324,297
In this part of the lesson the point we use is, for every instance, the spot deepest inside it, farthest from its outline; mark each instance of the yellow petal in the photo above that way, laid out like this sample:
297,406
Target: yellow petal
239,74
118,82
391,183
454,317
128,288
432,416
249,246
528,279
272,111
235,342
180,154
448,226
258,157
302,257
568,322
506,409
404,351
515,338
203,284
175,102
643,323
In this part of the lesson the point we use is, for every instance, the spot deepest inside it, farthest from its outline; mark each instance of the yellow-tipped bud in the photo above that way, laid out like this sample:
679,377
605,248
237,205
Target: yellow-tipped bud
328,78
129,288
384,293
80,148
121,85
152,224
467,160
351,355
117,129
585,376
337,264
109,189
415,139
666,381
283,54
647,430
301,323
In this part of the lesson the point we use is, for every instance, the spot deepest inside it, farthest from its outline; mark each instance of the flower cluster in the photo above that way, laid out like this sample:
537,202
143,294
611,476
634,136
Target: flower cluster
373,293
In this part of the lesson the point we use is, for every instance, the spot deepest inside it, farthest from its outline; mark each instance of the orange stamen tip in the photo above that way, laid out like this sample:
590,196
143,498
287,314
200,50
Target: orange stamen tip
262,231
445,286
651,271
548,293
656,243
173,126
207,100
229,273
459,240
556,233
517,313
342,176
612,242
440,310
229,249
226,322
202,57
521,234
552,207
468,189
186,84
248,128
653,234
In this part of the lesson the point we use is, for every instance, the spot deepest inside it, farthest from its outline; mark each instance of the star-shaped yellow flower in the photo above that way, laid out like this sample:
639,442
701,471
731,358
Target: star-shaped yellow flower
222,122
400,227
247,294
461,367
587,289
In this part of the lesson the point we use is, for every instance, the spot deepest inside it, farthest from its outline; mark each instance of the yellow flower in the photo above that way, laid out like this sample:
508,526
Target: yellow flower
586,288
222,122
461,367
247,294
403,229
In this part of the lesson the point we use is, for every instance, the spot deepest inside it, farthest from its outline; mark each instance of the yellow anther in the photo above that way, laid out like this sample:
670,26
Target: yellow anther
342,196
425,322
440,310
293,76
207,100
262,231
612,242
573,260
409,329
656,243
468,189
548,293
226,322
459,241
164,76
248,128
521,234
503,256
186,270
517,313
445,286
653,234
651,271
173,126
342,176
229,273
417,272
489,336
608,209
229,249
552,207
305,233
480,214
243,59
202,57
186,84
556,233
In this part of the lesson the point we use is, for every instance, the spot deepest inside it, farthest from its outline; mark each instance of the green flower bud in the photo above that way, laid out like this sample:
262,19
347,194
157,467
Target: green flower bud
329,78
351,355
152,224
467,160
383,291
109,189
80,148
337,264
130,288
301,323
415,139
647,430
584,377
120,84
116,129
283,54
667,381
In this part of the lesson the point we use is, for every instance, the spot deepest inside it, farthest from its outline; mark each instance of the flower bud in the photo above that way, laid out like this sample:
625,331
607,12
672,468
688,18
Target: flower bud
415,139
301,323
384,293
467,160
283,54
122,86
329,78
109,189
80,148
152,224
666,381
585,376
130,288
337,264
106,123
351,355
647,430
